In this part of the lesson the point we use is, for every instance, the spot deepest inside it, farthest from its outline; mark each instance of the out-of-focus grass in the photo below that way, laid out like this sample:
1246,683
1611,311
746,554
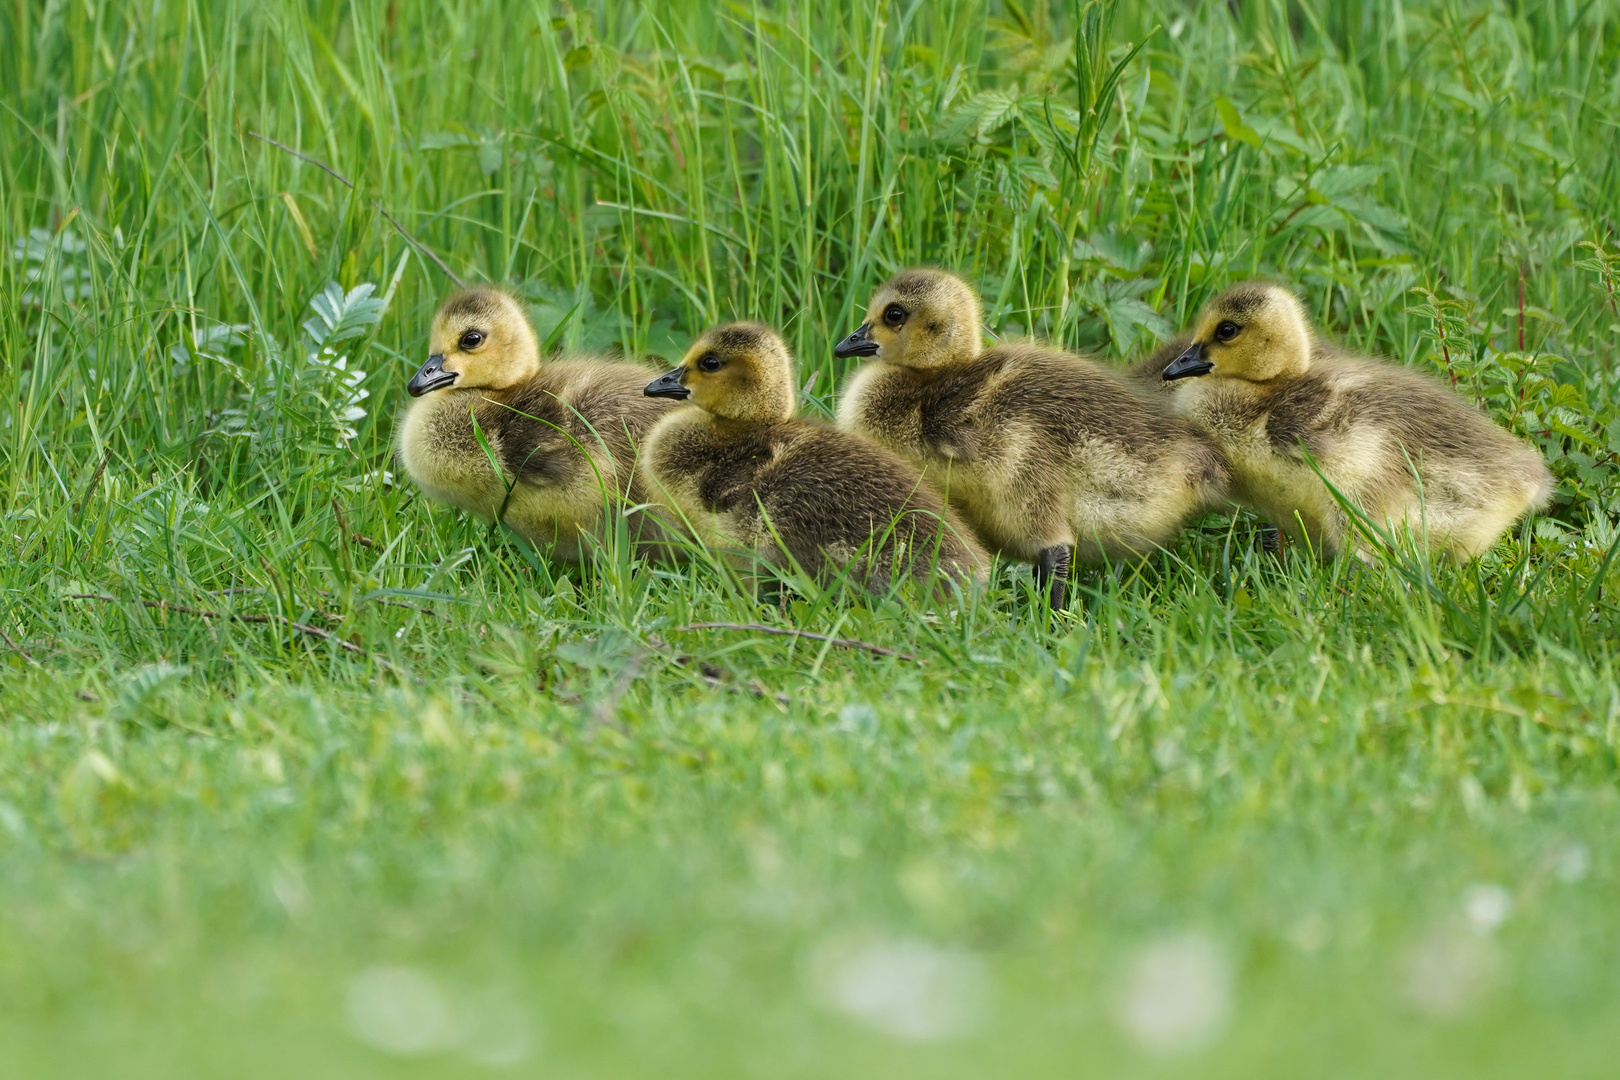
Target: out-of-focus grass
1237,816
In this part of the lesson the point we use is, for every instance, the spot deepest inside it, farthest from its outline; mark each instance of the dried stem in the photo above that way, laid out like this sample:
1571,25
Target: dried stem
16,648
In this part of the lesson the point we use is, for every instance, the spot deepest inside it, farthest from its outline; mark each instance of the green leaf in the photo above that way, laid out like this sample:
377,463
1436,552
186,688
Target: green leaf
560,329
1234,125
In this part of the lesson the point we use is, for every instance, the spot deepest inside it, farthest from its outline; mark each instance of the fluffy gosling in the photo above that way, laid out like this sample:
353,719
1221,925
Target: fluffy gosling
1044,453
752,480
564,432
1401,447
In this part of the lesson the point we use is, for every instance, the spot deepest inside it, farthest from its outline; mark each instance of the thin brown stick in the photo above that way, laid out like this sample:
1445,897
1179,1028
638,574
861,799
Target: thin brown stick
381,209
300,155
16,648
779,631
423,248
328,593
412,607
281,620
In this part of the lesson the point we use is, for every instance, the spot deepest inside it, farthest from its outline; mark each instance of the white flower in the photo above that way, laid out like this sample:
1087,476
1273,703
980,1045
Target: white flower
1178,994
904,988
1486,907
399,1010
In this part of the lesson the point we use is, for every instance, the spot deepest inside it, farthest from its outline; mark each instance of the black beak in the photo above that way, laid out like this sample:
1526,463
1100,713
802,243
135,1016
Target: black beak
1188,364
430,377
668,385
859,343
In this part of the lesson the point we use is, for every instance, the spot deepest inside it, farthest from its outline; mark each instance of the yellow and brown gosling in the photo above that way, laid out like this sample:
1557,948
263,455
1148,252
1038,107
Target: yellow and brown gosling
1044,453
758,484
564,432
1406,451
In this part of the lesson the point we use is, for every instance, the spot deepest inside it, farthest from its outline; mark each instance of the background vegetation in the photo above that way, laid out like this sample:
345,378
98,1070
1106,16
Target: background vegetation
299,773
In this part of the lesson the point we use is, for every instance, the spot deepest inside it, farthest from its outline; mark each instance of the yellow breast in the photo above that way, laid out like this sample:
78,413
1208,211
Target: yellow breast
442,456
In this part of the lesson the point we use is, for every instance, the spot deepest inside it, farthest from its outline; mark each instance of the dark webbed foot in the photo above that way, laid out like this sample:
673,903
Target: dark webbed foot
1271,541
1052,574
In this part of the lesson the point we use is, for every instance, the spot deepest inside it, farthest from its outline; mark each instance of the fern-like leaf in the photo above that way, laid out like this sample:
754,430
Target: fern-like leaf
341,316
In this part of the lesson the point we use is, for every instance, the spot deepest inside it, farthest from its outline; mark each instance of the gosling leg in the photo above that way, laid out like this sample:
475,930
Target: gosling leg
1052,574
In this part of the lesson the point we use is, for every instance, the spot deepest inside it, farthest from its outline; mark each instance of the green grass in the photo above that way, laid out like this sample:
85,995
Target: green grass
1236,816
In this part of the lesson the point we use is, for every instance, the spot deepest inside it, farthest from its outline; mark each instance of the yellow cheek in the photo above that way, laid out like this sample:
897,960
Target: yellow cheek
703,390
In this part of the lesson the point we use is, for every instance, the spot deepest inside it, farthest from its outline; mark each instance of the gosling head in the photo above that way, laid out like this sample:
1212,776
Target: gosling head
739,371
481,340
1255,331
919,318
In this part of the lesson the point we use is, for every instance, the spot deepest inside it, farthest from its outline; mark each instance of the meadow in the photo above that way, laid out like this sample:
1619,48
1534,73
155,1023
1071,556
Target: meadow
303,775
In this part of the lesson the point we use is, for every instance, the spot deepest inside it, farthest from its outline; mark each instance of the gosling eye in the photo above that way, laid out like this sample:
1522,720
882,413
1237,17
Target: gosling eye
710,363
1227,330
472,339
893,316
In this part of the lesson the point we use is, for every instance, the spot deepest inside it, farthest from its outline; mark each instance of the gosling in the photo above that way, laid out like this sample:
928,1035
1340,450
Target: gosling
760,485
1046,455
564,433
1406,451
